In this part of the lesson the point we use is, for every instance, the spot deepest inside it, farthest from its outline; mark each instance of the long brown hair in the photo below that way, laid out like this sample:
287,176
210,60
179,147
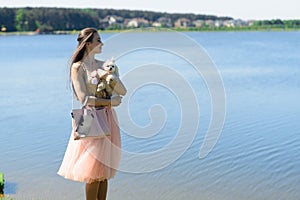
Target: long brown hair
85,35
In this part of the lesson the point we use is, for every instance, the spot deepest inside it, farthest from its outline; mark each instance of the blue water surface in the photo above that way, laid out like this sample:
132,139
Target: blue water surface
256,156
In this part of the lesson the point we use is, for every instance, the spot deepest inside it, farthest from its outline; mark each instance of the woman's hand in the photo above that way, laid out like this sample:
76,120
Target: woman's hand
116,100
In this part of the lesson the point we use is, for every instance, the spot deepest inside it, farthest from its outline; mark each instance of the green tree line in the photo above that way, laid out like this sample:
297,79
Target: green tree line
67,19
51,19
277,23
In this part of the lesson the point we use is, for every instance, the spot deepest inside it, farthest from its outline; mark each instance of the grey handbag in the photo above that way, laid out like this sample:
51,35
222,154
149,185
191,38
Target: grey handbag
90,123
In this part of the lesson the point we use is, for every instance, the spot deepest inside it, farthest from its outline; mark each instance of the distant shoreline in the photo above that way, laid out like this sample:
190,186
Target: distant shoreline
43,20
28,33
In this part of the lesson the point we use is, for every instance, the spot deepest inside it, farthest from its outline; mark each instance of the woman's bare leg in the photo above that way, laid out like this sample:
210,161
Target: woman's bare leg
91,190
102,190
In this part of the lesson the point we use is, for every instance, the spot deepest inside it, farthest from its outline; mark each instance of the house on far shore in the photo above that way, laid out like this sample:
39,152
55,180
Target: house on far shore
240,22
251,22
156,24
198,23
218,23
112,20
137,22
210,23
164,22
182,23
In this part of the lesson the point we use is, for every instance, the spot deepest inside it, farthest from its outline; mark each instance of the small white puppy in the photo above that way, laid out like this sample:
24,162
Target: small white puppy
109,74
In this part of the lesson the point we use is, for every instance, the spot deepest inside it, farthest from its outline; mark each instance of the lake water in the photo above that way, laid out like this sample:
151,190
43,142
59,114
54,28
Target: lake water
256,155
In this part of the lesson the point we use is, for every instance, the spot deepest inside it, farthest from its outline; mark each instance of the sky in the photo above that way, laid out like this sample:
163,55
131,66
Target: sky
238,9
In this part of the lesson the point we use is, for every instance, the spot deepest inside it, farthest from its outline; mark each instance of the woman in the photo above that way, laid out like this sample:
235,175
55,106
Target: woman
93,161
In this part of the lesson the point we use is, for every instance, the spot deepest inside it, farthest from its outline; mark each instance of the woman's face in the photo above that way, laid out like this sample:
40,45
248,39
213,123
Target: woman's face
96,45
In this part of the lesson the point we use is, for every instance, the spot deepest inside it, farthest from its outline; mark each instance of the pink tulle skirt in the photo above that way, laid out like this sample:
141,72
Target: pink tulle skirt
89,160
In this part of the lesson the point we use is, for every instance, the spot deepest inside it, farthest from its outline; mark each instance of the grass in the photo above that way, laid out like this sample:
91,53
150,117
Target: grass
1,183
6,198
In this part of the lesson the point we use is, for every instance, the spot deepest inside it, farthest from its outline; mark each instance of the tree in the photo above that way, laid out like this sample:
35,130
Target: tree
7,19
19,19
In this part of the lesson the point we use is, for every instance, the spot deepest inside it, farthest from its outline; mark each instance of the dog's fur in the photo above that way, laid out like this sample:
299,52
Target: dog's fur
108,74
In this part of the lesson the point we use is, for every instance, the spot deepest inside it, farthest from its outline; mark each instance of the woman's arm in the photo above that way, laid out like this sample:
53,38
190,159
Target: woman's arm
94,101
78,82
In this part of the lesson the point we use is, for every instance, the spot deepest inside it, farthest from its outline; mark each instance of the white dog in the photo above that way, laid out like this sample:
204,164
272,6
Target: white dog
109,76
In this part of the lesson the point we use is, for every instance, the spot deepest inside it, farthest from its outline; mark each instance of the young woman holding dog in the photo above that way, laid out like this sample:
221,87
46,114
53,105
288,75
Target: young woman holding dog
93,161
